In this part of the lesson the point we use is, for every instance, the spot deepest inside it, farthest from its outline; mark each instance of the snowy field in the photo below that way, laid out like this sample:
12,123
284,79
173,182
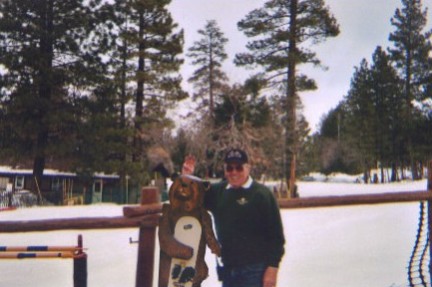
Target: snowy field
356,246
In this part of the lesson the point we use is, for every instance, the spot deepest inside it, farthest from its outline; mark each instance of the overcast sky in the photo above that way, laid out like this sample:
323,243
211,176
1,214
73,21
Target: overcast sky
364,25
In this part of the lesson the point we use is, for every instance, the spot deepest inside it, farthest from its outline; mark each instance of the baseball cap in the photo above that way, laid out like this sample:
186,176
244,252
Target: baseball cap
236,155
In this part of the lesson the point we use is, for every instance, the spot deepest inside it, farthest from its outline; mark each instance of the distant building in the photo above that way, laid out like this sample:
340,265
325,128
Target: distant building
58,187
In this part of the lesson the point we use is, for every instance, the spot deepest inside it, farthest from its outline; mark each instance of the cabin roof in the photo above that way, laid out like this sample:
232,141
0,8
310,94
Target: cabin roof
7,170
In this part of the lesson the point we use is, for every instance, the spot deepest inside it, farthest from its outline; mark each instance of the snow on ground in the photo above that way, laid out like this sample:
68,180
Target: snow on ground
356,246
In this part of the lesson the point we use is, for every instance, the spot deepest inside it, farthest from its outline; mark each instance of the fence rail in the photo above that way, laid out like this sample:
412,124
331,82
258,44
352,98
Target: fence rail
149,221
147,216
357,199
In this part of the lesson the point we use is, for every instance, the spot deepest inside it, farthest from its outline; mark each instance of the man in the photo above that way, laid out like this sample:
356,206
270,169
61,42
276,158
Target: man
248,224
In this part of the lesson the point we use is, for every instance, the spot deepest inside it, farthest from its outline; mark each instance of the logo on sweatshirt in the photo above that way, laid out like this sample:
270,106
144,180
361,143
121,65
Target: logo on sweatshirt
242,201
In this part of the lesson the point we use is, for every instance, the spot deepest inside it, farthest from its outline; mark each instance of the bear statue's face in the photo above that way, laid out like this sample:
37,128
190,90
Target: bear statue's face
186,194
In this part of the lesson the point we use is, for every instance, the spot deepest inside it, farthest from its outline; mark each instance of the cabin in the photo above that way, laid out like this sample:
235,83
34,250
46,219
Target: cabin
57,187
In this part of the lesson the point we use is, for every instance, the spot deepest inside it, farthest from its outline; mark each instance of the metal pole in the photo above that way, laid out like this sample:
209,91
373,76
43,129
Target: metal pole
146,246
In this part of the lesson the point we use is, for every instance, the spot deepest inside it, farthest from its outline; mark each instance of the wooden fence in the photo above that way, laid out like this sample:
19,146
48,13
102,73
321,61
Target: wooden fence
146,217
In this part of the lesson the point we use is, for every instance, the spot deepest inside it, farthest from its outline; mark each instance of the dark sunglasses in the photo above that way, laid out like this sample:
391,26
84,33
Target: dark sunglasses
231,168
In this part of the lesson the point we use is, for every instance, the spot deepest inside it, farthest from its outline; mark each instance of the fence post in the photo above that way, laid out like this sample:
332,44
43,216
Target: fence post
146,245
80,266
429,188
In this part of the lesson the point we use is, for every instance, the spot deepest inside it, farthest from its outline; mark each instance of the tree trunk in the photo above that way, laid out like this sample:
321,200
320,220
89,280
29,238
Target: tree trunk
414,170
421,170
402,167
45,82
139,105
394,172
365,177
123,93
211,87
290,134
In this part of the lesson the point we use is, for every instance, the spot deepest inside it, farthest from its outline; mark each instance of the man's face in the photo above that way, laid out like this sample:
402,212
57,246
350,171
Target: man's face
237,174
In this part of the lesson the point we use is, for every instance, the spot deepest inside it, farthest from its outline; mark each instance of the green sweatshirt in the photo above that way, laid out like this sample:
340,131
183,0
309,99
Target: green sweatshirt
248,224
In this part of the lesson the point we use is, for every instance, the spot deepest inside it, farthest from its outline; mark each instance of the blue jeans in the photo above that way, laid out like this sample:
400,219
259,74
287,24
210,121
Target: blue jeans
244,276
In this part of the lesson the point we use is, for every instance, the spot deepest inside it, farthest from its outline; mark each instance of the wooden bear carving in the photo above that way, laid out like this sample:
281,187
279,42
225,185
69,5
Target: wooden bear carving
186,203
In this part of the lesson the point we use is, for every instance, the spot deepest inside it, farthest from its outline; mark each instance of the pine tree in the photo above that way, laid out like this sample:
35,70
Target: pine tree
119,50
279,29
388,106
150,45
208,54
360,116
411,53
48,56
372,112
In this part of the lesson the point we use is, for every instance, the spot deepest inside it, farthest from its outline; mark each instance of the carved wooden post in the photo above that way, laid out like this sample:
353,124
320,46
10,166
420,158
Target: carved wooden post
146,245
429,188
